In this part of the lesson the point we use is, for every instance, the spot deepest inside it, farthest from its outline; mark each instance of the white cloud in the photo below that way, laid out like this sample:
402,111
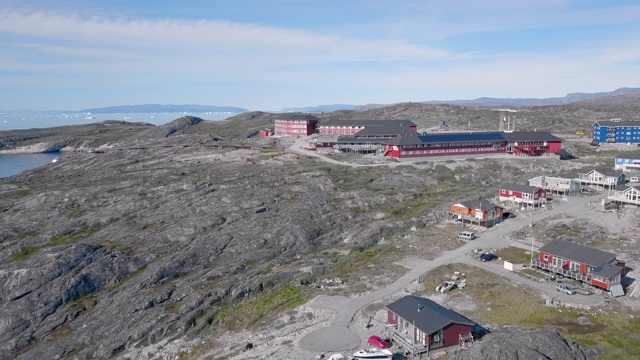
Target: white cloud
204,35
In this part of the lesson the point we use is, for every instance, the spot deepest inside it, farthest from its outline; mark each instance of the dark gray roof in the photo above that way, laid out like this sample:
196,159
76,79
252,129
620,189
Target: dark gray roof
416,138
530,136
609,123
478,204
577,252
358,140
338,122
634,156
626,187
390,130
520,188
609,172
294,116
607,271
429,316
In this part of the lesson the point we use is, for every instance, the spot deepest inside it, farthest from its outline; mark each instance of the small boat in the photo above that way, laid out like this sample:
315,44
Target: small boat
55,159
373,353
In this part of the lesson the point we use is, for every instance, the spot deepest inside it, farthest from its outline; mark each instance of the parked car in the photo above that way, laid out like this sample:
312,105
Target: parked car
467,235
376,341
565,289
488,257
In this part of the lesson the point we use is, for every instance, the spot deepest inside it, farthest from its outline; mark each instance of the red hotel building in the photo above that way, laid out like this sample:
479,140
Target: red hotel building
525,143
295,125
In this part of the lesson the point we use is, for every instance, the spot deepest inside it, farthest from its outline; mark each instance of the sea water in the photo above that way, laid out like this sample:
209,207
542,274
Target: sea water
12,164
17,120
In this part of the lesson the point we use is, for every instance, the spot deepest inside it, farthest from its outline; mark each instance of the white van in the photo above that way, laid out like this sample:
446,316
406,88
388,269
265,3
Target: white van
467,235
634,179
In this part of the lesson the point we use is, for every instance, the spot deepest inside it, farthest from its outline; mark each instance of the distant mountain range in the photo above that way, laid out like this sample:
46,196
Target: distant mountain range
158,108
147,108
480,102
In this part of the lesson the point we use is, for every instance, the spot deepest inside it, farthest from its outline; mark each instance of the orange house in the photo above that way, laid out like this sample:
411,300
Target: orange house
480,212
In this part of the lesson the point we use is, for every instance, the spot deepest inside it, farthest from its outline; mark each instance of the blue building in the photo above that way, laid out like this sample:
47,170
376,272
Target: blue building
616,131
628,161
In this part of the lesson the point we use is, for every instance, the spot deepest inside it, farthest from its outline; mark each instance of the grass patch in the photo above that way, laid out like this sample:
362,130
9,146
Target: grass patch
73,237
134,274
514,254
75,212
20,194
25,253
60,333
173,307
261,309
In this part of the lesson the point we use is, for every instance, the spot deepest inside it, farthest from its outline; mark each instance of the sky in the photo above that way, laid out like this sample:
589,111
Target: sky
273,54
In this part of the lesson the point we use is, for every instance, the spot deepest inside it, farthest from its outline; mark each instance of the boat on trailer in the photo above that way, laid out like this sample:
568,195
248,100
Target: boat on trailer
373,353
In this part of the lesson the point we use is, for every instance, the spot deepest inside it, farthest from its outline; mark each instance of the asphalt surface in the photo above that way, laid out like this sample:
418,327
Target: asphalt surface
329,339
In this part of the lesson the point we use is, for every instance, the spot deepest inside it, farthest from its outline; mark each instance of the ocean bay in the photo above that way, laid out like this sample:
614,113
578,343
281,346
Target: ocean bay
31,120
12,164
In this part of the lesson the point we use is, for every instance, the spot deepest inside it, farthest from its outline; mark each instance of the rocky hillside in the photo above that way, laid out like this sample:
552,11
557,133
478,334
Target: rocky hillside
517,343
108,251
163,230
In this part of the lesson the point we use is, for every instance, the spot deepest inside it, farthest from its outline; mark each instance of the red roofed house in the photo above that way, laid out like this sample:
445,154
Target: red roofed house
422,326
523,195
592,266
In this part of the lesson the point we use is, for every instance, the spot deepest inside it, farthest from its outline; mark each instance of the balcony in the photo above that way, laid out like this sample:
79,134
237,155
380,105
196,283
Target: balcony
417,348
558,270
622,198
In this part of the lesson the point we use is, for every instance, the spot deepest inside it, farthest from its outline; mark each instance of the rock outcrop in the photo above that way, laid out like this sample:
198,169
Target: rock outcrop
525,344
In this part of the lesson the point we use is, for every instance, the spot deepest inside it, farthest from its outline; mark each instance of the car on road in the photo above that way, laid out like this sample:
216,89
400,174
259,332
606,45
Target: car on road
376,341
564,288
488,257
467,235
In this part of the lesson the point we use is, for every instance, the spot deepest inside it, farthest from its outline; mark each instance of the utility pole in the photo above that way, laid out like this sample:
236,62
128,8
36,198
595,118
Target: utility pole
531,264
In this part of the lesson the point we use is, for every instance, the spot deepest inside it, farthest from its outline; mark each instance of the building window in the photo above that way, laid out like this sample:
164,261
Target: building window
545,257
436,339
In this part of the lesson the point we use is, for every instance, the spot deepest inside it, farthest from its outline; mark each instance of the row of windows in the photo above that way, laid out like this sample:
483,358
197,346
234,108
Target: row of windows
340,127
279,131
291,126
618,127
292,121
440,151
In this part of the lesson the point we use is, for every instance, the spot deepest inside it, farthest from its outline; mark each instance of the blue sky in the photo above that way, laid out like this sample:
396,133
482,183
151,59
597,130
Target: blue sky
272,54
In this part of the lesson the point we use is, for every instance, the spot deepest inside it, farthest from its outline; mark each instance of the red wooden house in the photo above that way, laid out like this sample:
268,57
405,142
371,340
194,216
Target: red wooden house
480,212
422,326
295,125
523,195
592,266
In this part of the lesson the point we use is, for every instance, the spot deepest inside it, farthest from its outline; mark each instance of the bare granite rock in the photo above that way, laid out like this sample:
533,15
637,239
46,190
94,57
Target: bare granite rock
525,344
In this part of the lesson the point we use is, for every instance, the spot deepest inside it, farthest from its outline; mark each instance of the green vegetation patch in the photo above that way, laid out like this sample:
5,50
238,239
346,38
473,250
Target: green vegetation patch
362,265
25,253
73,237
261,309
20,194
515,254
75,212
